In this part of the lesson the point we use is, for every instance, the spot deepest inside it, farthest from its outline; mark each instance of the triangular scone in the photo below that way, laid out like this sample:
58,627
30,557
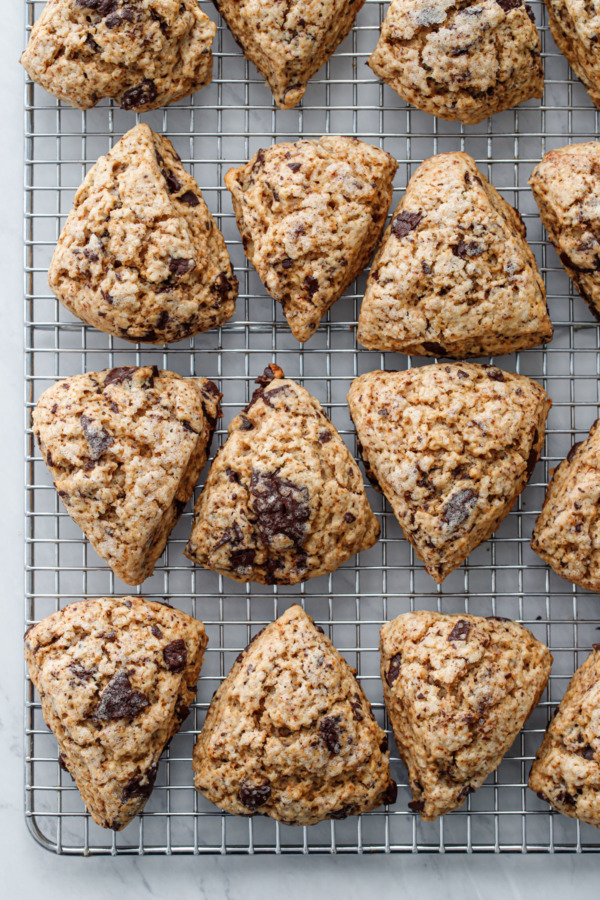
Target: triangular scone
284,500
451,447
141,53
289,42
310,215
454,275
458,689
566,770
290,734
116,678
125,448
567,532
574,27
140,256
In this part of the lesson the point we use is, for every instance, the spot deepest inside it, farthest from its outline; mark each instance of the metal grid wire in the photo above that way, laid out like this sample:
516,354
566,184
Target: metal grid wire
224,125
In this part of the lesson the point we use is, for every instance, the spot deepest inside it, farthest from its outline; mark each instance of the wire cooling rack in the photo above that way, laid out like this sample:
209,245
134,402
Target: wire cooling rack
224,125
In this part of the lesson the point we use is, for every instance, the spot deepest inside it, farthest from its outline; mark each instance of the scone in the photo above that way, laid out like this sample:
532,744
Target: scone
566,770
290,734
567,532
574,26
310,215
566,186
454,275
141,53
460,60
458,689
451,447
289,42
116,678
284,500
140,256
125,448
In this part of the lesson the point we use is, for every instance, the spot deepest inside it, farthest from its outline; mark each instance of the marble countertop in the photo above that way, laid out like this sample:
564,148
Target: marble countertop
26,868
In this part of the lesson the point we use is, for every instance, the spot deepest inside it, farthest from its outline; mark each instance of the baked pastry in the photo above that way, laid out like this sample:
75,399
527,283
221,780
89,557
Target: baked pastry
289,42
454,275
125,448
141,53
310,215
458,689
451,447
566,186
567,532
116,678
140,256
284,500
574,27
566,770
460,60
290,734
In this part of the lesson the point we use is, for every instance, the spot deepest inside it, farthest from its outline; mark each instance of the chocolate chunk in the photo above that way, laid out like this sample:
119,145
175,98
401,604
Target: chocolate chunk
533,455
507,5
242,559
587,752
295,166
529,12
140,787
245,424
80,673
466,249
173,183
458,509
190,198
349,518
498,619
460,632
393,669
573,451
384,746
595,646
432,347
99,440
63,764
143,93
180,267
269,374
119,375
156,632
391,793
125,15
494,374
464,792
254,797
267,396
426,268
233,476
325,437
328,731
342,813
281,507
356,705
287,263
89,254
566,798
222,284
103,7
175,655
311,284
119,700
417,805
405,222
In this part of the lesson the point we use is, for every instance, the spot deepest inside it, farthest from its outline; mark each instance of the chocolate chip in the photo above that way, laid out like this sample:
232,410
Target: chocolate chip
507,5
573,451
417,805
432,347
233,476
142,94
119,375
175,655
281,507
390,794
190,198
426,268
254,797
494,374
119,700
140,787
295,166
348,517
466,249
242,559
405,222
180,267
287,263
156,632
328,731
458,509
325,437
99,440
533,455
311,284
460,632
173,183
393,669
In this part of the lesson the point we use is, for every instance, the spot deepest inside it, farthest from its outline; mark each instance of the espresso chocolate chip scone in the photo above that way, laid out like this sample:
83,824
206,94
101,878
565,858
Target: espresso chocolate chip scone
566,186
290,733
140,256
566,770
284,500
458,689
454,275
575,27
116,678
141,53
567,532
289,42
460,59
451,447
310,215
125,448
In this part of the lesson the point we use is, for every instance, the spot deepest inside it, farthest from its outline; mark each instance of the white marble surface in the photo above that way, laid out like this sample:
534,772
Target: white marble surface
26,869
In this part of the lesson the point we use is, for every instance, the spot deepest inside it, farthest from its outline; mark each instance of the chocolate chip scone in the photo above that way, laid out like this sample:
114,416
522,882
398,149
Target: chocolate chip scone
566,186
566,770
567,532
289,42
451,447
454,275
290,734
458,689
116,678
125,448
574,26
140,256
460,59
141,53
310,215
284,500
